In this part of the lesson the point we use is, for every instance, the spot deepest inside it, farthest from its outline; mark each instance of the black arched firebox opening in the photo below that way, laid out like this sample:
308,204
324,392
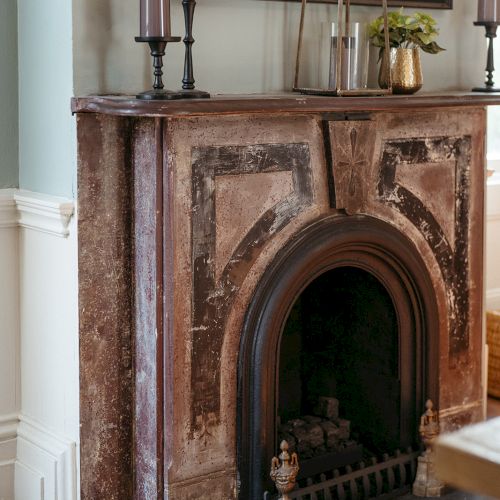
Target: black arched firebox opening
335,244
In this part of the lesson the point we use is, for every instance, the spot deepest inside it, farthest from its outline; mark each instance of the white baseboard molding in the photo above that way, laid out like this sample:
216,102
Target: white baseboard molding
40,212
46,464
493,300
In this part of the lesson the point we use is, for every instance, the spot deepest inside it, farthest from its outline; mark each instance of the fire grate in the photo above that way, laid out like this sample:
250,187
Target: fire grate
389,478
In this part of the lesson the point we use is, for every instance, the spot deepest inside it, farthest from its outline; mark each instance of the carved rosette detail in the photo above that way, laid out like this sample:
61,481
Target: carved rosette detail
357,160
352,151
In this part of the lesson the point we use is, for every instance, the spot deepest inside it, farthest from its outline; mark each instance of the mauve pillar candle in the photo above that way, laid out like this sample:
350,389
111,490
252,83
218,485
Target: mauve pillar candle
488,11
155,18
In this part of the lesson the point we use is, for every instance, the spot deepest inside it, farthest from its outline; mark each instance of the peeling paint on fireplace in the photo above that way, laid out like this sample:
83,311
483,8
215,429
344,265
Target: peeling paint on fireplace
451,256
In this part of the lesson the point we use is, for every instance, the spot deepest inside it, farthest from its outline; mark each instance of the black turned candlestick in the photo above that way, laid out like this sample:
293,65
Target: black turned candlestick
491,33
158,46
188,87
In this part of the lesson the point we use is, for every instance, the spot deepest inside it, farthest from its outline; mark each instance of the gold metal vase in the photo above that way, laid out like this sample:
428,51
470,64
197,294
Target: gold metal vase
406,71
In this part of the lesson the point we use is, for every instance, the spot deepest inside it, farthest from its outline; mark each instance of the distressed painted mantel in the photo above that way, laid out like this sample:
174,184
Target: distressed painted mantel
182,208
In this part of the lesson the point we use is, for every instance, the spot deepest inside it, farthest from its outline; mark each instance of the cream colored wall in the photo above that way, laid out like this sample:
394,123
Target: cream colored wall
246,46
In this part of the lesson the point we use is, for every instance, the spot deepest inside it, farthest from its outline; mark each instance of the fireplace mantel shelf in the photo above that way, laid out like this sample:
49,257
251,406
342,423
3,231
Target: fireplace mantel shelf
275,103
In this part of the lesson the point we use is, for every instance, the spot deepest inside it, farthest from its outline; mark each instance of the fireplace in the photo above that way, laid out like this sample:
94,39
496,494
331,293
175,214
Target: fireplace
346,311
260,268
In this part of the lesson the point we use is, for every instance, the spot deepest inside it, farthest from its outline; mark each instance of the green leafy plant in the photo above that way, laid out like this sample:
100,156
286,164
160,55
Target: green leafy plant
406,31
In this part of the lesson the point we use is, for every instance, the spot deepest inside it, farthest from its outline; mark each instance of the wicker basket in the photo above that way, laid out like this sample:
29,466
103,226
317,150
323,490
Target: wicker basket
493,327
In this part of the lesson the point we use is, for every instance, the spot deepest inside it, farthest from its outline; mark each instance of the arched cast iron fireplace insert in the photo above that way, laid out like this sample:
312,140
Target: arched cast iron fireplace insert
361,242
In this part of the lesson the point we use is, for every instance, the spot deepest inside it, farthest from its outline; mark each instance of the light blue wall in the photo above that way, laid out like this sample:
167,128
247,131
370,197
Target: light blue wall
47,151
9,165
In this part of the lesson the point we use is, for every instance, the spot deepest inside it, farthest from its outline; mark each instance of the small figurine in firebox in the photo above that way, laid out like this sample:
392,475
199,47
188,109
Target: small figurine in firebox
284,471
426,483
429,425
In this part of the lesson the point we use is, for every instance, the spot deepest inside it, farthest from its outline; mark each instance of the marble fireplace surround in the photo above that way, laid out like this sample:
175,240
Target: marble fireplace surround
190,214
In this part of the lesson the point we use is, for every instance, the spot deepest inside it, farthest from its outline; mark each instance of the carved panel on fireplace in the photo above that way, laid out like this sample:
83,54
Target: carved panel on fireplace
400,158
427,180
217,275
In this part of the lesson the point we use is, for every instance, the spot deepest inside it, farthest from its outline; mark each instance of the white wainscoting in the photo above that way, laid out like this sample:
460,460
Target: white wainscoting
39,410
49,427
493,244
46,464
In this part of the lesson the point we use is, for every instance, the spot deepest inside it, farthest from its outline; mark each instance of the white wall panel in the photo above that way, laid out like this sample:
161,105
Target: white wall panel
49,329
49,429
39,381
29,483
46,464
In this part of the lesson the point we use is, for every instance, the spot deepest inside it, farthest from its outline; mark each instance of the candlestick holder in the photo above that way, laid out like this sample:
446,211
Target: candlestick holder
188,88
491,33
157,46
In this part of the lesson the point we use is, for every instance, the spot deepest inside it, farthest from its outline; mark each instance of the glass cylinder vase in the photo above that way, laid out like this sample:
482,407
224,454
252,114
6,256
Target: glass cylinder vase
354,57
